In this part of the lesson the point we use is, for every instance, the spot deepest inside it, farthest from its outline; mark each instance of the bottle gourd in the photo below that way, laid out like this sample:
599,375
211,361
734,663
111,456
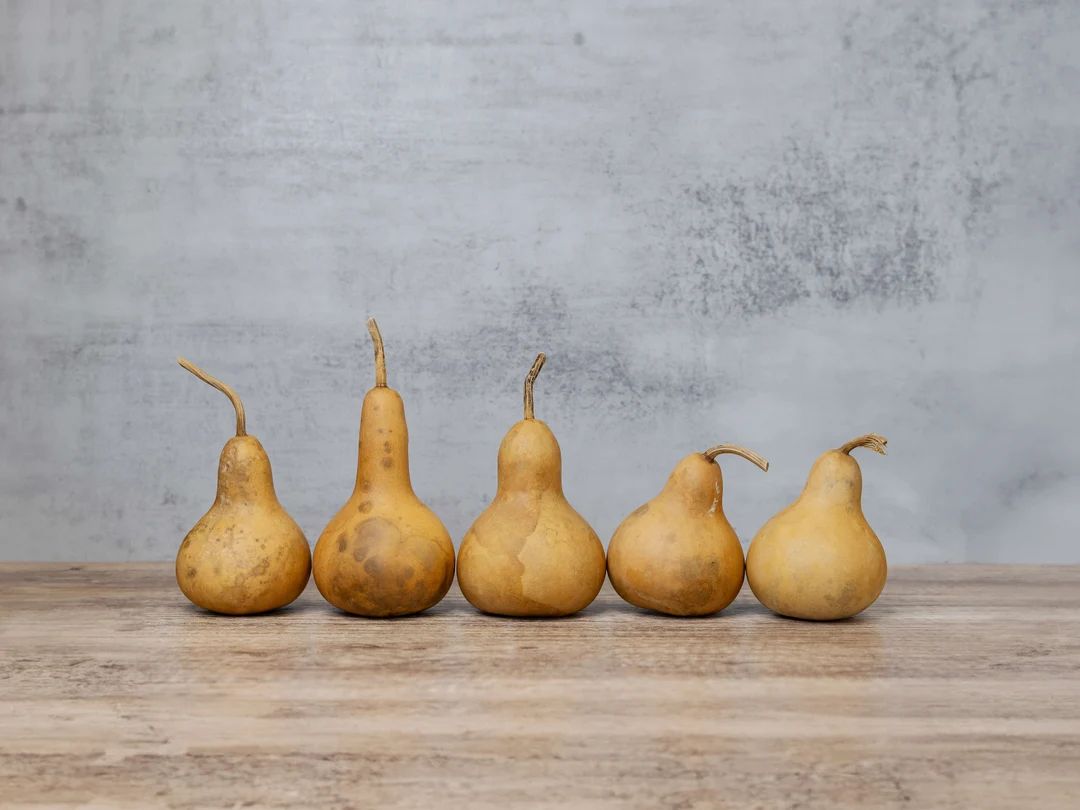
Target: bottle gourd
529,553
818,558
385,553
677,554
245,555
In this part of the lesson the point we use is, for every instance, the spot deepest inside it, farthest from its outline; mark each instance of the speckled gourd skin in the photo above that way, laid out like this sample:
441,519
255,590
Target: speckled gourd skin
530,553
385,553
677,554
246,554
818,558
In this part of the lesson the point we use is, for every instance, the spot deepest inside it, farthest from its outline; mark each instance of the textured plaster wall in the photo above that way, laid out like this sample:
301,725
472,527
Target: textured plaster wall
778,224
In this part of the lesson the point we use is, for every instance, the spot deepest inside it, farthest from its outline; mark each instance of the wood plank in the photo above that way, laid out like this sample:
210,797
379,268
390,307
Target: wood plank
959,688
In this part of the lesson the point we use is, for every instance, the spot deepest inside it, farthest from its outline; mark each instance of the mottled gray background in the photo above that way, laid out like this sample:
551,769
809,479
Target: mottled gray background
779,224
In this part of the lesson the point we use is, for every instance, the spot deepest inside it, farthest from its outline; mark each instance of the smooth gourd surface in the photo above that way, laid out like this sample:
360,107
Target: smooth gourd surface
246,554
385,553
530,553
678,554
818,558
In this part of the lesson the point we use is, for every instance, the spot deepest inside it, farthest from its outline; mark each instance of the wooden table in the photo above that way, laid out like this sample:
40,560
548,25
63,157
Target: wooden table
959,688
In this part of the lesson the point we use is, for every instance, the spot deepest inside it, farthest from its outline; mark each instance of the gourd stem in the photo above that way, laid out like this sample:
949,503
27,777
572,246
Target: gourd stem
872,440
380,353
530,379
238,406
735,450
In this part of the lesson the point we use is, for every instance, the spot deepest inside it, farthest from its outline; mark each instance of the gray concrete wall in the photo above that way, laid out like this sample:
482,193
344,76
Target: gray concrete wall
778,224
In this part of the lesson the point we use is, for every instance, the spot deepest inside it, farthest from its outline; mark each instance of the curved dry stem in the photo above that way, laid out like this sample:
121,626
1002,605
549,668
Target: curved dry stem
530,379
380,353
238,406
735,450
872,440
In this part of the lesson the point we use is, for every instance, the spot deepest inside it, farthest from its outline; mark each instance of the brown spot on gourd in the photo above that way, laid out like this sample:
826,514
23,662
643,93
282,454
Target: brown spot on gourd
386,446
376,533
365,486
373,567
388,463
342,543
641,510
845,599
363,507
191,572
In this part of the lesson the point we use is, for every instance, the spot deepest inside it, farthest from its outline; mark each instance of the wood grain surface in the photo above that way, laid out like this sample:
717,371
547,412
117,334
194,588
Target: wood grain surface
959,688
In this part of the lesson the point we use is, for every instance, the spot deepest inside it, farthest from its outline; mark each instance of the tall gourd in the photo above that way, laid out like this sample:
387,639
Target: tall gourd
385,553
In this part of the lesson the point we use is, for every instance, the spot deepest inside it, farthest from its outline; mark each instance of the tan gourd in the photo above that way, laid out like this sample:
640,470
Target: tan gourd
384,553
819,558
678,554
529,553
245,555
